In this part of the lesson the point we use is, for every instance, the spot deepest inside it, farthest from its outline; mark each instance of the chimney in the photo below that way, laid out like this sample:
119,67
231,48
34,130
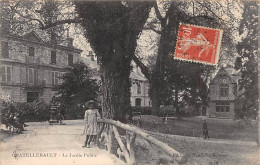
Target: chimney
70,42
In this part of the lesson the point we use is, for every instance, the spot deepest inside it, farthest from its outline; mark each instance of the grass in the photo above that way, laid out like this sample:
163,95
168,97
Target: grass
218,128
231,142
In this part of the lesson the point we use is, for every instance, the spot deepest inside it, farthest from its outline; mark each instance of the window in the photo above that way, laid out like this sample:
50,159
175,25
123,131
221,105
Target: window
61,74
224,90
6,74
53,57
31,51
32,75
92,58
55,78
32,96
138,88
70,59
137,102
222,107
5,49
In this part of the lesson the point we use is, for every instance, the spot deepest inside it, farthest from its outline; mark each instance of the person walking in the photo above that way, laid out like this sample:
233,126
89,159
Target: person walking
140,121
91,126
205,129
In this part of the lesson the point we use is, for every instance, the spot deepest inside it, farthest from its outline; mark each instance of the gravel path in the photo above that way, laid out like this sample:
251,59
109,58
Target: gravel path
44,144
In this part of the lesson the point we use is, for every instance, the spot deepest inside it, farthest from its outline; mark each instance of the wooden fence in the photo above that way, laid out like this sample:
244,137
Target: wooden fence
109,132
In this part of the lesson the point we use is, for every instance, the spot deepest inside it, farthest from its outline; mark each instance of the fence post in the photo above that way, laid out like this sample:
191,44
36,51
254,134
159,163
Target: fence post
110,139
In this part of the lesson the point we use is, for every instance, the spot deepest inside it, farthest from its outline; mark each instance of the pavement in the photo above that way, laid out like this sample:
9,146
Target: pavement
44,144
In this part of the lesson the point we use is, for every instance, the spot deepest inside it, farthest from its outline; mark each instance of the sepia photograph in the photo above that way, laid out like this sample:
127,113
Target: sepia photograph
129,82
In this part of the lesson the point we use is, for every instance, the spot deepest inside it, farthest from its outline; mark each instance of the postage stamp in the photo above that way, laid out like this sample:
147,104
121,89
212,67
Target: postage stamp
198,44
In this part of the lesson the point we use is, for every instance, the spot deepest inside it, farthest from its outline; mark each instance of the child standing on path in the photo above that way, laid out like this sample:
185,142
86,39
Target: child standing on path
91,126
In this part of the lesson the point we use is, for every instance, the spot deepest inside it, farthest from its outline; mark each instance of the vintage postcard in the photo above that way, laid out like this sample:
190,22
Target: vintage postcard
129,82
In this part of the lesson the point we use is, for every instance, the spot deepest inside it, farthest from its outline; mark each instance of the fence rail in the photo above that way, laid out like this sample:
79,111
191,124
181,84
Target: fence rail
126,150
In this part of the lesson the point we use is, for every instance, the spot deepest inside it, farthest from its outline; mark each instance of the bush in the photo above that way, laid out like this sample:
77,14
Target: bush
35,111
166,111
143,110
73,112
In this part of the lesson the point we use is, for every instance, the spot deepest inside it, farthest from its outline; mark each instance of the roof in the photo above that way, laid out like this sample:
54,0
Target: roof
89,62
231,72
35,38
137,76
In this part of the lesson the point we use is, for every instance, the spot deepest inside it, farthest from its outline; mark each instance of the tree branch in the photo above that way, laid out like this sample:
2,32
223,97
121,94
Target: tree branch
153,29
158,14
199,16
203,5
143,68
60,22
46,26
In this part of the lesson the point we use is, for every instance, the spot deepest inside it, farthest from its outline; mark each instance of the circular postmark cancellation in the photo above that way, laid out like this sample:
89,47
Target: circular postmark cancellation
198,44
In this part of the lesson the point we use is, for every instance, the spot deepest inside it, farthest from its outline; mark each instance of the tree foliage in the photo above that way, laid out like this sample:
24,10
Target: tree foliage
172,79
77,87
248,60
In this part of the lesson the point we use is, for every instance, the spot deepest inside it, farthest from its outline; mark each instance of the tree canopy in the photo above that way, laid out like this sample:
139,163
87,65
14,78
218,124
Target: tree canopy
78,86
247,63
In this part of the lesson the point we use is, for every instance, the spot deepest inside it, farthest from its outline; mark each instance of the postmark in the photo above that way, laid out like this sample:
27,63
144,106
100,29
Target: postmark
198,44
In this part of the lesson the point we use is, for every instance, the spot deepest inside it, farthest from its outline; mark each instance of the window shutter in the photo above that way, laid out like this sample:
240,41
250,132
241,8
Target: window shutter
31,51
3,74
30,74
35,76
52,78
56,78
53,57
8,74
70,59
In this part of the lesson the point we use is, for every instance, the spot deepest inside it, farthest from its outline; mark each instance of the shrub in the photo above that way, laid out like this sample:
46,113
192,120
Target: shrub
35,111
73,112
143,110
166,111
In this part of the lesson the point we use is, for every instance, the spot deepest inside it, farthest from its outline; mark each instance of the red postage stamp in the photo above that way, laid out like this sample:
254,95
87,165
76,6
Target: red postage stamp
198,44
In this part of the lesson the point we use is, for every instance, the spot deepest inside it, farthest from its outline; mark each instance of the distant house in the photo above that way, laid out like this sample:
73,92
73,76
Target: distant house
31,67
223,94
139,89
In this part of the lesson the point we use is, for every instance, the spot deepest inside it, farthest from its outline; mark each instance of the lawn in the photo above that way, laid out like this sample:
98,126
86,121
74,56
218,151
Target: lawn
218,128
199,151
230,142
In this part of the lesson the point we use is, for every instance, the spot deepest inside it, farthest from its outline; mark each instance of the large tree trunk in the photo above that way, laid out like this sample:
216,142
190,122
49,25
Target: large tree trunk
157,82
112,29
115,88
165,64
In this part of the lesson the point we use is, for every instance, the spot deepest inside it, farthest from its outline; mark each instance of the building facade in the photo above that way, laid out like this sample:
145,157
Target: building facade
139,89
31,67
223,94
